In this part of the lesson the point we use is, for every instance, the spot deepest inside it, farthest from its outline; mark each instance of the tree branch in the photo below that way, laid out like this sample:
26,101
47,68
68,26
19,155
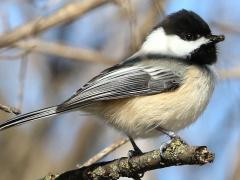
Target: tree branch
229,73
10,109
104,152
175,153
68,13
233,28
57,49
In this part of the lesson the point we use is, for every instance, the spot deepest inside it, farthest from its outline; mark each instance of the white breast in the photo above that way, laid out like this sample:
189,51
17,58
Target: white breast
171,110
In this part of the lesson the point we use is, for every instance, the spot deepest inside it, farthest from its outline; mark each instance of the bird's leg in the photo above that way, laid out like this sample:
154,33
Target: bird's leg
136,151
170,134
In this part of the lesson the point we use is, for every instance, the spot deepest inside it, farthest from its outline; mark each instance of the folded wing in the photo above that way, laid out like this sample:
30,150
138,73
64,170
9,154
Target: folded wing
123,82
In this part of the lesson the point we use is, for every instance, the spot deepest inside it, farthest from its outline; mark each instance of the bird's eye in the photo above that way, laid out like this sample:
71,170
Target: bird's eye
188,37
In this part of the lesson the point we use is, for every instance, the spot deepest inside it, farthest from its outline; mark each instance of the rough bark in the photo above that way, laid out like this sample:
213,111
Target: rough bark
174,153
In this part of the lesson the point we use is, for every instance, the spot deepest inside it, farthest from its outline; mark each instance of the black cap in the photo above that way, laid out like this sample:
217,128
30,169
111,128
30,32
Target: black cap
186,24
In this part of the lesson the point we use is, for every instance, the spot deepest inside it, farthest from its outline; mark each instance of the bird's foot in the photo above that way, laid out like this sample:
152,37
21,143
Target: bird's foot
135,152
167,144
164,146
132,153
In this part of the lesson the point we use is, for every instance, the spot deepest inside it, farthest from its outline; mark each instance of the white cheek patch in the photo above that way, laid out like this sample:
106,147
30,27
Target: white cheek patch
159,42
156,42
179,47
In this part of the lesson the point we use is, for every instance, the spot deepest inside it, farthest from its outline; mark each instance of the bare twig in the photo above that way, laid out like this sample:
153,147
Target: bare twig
236,172
229,73
234,28
104,152
68,13
130,11
9,109
64,51
16,56
176,153
85,140
22,77
155,10
160,6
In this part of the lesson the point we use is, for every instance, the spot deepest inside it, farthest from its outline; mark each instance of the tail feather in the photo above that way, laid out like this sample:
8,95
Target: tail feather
32,116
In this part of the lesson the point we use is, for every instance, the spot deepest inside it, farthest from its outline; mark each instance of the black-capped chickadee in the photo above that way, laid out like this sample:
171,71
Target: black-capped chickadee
166,85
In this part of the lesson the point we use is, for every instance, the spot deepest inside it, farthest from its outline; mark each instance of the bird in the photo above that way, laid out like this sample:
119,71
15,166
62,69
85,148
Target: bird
160,89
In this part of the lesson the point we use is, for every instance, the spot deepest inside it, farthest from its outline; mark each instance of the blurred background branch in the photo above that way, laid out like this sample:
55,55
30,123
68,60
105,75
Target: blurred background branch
57,49
230,73
9,109
104,152
68,13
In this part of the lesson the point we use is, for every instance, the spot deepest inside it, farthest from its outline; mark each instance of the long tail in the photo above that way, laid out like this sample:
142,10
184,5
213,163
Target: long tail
32,116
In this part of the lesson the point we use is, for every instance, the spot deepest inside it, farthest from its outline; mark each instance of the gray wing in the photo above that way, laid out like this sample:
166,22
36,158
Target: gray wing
122,82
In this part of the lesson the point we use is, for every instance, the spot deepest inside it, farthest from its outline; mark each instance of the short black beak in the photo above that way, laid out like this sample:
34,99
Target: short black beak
215,38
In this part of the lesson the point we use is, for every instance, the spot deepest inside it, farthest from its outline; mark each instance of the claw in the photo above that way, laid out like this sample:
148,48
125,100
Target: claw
137,150
132,153
164,146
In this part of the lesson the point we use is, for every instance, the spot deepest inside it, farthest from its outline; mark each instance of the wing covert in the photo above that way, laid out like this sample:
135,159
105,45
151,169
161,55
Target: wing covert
123,82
